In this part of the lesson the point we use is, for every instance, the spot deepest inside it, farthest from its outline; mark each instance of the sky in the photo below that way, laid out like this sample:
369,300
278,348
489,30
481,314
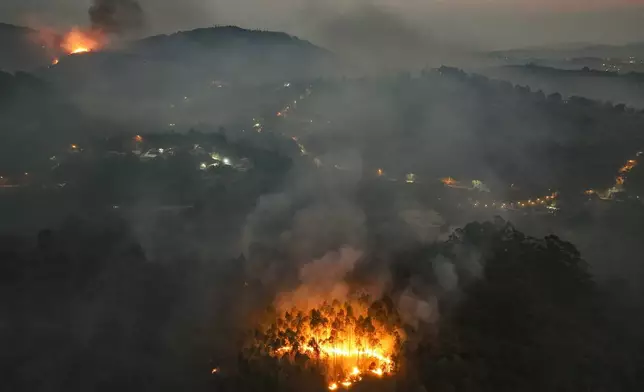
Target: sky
485,24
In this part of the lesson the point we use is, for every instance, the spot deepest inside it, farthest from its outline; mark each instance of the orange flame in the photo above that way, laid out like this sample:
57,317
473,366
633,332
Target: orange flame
78,41
628,167
348,340
448,181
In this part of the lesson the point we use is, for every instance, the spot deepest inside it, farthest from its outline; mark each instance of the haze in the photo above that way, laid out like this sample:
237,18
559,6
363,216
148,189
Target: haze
492,24
330,195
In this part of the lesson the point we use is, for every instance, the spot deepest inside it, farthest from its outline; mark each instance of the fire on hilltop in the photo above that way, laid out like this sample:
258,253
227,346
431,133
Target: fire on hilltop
78,41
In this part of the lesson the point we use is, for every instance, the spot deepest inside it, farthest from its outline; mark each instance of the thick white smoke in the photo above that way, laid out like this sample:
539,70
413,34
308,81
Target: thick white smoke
322,280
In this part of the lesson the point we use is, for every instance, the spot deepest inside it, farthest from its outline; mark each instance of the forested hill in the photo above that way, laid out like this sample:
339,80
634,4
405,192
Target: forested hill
446,122
226,36
623,87
21,48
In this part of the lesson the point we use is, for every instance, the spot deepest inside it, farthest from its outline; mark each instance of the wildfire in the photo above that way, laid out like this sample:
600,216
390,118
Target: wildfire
448,181
620,180
78,41
345,341
628,167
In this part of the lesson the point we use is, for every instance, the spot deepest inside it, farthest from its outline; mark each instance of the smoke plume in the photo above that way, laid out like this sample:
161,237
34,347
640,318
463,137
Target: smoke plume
116,16
322,280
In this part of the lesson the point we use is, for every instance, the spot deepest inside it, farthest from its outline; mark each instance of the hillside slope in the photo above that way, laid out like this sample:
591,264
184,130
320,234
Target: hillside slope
22,48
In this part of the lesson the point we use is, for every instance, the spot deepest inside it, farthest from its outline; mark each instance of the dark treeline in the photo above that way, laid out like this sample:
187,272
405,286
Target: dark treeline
85,308
591,81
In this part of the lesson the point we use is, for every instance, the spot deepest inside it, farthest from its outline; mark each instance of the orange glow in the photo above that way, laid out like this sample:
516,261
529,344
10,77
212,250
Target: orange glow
346,341
138,138
380,172
628,167
55,61
448,181
77,41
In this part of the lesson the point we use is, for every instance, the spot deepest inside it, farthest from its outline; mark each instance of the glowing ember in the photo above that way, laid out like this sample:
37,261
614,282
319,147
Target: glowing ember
77,41
628,167
55,61
620,180
345,341
448,181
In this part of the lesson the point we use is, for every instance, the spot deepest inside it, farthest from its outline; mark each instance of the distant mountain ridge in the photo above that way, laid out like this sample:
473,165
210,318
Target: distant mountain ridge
225,35
148,75
205,54
21,48
635,49
618,87
587,72
9,27
232,45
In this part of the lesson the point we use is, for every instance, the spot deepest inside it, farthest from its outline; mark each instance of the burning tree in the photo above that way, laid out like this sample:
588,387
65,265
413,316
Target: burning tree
345,341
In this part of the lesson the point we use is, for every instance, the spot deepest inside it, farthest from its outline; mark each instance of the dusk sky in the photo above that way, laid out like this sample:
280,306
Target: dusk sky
480,23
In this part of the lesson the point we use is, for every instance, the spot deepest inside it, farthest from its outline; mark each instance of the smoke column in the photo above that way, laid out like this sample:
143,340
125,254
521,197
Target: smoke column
116,16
